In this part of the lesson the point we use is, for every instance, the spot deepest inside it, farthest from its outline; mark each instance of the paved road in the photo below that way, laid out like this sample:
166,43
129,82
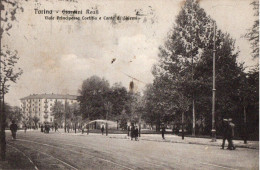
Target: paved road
68,151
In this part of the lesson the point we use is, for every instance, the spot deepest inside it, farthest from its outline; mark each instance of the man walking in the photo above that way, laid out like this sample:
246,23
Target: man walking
225,132
163,130
13,128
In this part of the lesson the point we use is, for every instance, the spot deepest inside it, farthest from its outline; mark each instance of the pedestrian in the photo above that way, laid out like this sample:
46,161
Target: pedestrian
13,128
128,130
55,127
224,132
25,128
163,130
231,133
42,128
132,131
102,129
136,133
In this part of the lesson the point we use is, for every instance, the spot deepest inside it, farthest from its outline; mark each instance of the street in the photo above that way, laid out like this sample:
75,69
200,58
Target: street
69,151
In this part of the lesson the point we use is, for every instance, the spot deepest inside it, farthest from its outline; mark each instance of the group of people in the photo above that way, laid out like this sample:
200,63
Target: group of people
133,132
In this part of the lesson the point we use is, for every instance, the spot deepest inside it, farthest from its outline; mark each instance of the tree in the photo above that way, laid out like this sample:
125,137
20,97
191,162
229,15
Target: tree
184,71
36,120
94,94
118,98
13,113
253,33
8,59
182,51
58,111
74,114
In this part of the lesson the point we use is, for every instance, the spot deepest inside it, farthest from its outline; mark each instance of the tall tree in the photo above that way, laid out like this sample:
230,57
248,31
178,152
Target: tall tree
184,70
94,95
182,51
118,98
8,59
58,111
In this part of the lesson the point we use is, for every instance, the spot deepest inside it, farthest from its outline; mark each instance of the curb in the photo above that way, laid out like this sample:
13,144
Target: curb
196,143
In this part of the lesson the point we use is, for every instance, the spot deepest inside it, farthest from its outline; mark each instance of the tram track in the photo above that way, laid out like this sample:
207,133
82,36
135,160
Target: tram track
153,164
73,151
15,148
91,147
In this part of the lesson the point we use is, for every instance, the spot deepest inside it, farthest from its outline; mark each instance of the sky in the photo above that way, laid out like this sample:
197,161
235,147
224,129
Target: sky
56,56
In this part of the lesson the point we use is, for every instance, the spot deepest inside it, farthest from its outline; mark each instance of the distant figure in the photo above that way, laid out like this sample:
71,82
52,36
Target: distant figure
47,128
56,127
225,132
42,129
136,133
163,131
132,132
13,128
102,129
25,128
68,128
228,134
231,134
128,130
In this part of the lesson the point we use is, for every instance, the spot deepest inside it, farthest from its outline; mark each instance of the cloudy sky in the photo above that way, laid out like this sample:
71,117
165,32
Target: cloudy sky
56,56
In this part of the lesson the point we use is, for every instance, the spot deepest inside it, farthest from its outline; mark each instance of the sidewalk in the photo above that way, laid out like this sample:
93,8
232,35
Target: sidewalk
190,140
173,139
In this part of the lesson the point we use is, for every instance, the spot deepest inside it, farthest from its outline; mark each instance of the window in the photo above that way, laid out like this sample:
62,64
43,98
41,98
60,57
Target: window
39,109
51,119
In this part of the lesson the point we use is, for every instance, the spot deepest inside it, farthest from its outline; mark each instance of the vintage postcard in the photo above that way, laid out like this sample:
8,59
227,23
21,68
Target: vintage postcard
129,84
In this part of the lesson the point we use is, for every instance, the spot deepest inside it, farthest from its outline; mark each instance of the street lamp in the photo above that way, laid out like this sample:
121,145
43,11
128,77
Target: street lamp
213,131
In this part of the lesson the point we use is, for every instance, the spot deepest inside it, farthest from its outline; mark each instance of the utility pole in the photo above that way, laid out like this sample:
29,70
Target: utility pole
65,112
213,131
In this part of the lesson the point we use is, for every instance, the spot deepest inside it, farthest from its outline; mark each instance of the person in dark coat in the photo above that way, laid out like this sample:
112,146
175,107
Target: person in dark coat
163,131
136,133
13,128
102,129
230,136
132,132
42,128
225,132
128,130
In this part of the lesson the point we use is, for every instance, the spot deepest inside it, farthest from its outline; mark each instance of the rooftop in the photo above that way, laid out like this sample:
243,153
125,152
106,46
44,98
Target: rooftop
50,96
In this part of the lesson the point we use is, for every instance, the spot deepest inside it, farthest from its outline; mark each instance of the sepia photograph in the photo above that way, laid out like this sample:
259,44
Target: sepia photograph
129,84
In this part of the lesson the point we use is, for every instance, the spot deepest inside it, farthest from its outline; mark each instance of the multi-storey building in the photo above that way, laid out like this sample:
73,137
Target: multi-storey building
40,105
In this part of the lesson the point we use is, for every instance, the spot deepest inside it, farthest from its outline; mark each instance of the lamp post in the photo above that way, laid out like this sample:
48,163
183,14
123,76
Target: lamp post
213,131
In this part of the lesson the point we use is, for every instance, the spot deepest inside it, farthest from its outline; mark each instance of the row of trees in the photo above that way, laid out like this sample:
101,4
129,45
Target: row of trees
67,114
182,86
100,101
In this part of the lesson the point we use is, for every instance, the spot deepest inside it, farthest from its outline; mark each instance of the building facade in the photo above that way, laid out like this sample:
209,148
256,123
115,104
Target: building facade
40,105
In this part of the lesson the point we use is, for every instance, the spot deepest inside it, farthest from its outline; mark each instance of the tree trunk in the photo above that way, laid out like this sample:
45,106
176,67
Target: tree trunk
3,119
182,125
193,116
245,126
